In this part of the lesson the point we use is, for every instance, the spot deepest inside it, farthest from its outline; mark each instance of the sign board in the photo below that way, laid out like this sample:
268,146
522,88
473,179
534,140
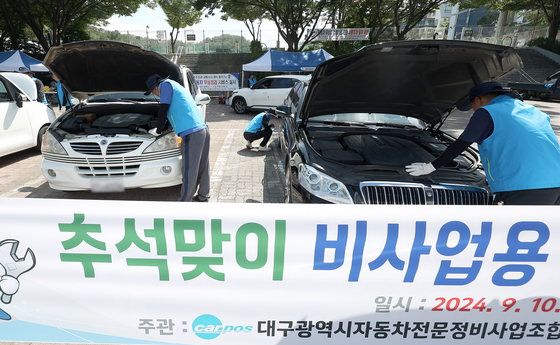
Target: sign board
84,271
468,32
340,34
191,37
217,82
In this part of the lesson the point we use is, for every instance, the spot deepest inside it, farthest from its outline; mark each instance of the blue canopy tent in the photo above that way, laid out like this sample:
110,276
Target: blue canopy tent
12,61
278,61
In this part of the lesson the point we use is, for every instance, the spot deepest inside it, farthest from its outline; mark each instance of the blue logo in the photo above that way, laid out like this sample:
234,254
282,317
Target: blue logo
210,327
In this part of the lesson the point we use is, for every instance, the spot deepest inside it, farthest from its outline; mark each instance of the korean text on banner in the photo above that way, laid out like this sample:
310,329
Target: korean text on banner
78,271
217,82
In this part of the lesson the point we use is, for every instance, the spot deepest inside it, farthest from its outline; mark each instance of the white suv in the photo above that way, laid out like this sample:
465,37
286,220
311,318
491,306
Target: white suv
267,93
24,121
102,144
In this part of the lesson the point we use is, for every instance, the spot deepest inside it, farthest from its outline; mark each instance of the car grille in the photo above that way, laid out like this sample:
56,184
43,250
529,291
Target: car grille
114,148
93,167
391,193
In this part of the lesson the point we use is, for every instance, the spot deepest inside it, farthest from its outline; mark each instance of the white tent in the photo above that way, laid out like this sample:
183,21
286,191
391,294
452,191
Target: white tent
278,61
12,61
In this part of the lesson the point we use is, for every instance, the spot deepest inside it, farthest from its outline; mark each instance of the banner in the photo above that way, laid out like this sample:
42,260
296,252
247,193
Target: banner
340,34
79,271
217,82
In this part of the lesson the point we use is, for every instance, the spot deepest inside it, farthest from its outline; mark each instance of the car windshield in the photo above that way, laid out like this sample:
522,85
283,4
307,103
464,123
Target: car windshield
374,119
122,96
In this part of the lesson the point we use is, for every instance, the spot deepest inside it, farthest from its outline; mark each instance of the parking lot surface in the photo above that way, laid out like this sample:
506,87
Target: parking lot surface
238,175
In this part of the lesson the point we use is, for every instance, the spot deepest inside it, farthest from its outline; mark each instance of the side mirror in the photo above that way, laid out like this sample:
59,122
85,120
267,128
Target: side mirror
285,109
202,99
19,100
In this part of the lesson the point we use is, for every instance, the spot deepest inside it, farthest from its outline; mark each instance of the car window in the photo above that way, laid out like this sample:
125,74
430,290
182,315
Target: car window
4,95
262,84
282,83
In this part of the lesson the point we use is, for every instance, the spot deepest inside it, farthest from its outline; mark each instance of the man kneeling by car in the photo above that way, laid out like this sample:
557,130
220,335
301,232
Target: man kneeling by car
518,148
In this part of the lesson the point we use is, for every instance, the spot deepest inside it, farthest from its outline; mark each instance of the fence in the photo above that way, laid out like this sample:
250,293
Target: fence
223,41
514,36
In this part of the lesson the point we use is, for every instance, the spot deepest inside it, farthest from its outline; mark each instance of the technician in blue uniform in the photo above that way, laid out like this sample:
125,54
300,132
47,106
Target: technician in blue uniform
518,147
177,105
260,127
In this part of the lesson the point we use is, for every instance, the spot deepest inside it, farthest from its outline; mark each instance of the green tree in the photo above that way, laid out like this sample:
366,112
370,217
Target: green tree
12,30
292,17
56,17
408,13
180,14
250,15
489,18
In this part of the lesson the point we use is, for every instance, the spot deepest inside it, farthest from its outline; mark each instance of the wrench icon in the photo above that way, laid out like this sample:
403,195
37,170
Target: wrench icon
14,265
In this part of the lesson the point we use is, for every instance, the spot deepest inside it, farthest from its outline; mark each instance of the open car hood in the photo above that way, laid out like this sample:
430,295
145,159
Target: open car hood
90,68
421,79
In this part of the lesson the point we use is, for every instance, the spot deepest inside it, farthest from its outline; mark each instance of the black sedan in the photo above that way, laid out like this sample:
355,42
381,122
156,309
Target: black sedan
350,131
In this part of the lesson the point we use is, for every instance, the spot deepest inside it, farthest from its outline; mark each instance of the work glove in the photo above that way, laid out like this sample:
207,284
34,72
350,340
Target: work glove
153,132
419,169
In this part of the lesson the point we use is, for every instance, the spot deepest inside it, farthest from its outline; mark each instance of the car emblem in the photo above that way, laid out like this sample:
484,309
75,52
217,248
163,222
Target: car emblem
103,142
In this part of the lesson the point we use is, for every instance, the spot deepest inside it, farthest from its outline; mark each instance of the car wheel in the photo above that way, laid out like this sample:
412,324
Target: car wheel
40,136
239,105
288,183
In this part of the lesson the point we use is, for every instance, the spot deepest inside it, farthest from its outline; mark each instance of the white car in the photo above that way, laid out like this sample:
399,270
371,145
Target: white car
24,121
102,144
267,93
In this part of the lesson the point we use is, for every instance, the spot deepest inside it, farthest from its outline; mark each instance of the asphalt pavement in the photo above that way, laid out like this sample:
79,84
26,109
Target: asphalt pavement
238,175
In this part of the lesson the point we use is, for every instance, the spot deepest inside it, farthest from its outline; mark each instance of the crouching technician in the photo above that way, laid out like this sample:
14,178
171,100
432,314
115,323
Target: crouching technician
177,105
518,147
260,127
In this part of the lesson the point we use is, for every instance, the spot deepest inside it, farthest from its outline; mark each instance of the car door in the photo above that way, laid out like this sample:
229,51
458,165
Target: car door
16,133
258,95
278,91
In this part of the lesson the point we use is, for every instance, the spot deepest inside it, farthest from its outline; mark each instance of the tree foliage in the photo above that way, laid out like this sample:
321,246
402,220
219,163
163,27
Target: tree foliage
180,14
291,17
55,18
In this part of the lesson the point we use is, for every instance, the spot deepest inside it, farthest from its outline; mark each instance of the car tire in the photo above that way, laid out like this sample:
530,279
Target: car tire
239,105
40,136
287,183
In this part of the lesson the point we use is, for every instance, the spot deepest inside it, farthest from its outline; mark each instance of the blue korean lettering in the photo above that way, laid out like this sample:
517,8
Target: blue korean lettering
418,249
322,244
521,251
482,241
389,253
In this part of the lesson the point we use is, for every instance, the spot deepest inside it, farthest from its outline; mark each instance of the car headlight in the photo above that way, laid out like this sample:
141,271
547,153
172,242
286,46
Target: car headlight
323,186
167,142
51,145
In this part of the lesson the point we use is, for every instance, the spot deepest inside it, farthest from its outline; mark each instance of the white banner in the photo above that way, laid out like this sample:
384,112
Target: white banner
76,271
340,34
217,82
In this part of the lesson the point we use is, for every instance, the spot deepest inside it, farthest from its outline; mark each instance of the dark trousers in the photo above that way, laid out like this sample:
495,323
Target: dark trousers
545,196
265,134
195,149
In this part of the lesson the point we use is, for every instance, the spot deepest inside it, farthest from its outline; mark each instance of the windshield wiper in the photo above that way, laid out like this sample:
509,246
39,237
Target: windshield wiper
102,100
340,123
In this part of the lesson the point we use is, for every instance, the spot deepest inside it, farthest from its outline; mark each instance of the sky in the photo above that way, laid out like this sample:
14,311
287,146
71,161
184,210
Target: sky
208,27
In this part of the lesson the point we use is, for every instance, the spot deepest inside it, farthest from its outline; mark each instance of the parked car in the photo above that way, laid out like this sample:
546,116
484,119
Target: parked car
544,91
24,121
350,130
266,93
103,143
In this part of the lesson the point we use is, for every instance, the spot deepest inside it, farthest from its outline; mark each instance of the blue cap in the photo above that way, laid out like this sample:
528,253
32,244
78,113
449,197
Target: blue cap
24,70
483,89
152,82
